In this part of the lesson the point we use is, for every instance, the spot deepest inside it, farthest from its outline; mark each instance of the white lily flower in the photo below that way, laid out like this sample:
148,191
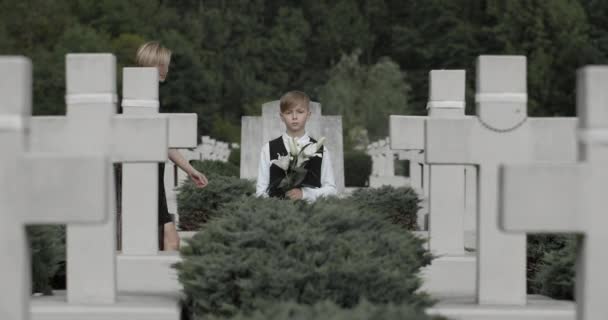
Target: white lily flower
282,162
313,148
310,150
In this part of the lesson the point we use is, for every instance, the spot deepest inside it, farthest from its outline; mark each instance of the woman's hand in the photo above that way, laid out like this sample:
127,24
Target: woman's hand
199,179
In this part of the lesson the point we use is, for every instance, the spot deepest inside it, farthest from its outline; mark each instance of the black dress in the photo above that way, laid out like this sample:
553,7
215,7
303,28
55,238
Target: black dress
163,210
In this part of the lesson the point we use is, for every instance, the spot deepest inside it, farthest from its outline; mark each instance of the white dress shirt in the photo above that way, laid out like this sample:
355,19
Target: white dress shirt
328,184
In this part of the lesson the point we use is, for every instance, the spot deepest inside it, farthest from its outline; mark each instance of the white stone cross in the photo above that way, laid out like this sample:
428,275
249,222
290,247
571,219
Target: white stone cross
92,125
446,185
563,197
37,187
140,180
139,225
140,192
501,133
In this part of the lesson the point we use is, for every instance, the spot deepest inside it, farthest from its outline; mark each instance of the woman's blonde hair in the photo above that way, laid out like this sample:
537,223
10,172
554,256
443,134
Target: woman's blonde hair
152,54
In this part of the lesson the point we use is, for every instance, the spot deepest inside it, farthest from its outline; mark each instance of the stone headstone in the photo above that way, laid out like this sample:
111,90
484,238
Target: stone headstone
383,165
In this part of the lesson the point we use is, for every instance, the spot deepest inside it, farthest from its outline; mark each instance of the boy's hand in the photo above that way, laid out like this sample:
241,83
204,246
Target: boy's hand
295,194
199,179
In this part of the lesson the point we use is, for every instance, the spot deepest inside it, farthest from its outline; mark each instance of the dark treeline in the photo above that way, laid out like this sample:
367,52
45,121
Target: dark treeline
362,59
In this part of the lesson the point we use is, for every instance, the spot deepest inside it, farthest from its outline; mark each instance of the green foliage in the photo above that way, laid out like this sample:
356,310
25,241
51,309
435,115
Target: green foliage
270,249
196,206
399,205
365,96
216,167
235,157
555,272
225,131
231,56
438,34
357,168
538,246
47,245
329,311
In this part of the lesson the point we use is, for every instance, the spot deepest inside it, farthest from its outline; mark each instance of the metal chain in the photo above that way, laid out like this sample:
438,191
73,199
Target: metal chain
517,125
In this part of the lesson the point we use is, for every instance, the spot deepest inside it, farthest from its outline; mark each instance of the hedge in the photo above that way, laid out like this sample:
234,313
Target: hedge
278,250
47,244
216,167
196,206
399,205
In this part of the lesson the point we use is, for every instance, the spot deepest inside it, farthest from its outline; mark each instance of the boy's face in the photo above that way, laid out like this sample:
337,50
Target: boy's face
295,117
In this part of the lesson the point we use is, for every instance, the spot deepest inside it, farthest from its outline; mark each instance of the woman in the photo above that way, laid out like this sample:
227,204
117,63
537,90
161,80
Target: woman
153,54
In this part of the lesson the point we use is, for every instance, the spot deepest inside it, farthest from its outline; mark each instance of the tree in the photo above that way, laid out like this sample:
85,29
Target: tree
365,96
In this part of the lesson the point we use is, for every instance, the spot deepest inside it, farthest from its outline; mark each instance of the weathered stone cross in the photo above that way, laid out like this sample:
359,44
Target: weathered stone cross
562,197
501,133
37,187
91,125
140,193
446,193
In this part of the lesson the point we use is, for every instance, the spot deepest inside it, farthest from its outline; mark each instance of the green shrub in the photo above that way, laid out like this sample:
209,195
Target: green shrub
216,167
47,243
235,157
400,205
327,310
357,168
556,273
269,249
196,205
538,246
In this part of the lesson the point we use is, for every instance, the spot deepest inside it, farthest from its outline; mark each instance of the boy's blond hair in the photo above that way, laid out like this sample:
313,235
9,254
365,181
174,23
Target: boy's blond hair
152,54
292,99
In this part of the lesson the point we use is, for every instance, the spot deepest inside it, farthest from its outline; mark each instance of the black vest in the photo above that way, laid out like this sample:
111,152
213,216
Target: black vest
312,179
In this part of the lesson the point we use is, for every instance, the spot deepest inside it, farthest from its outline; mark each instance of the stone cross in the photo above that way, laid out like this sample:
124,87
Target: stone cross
383,165
570,197
417,169
140,180
446,193
501,133
140,191
255,131
37,187
92,126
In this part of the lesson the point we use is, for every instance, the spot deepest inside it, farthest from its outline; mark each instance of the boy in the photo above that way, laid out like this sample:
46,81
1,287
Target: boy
319,181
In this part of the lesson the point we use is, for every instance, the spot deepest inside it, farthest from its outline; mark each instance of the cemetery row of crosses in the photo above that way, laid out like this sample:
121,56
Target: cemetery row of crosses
485,181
